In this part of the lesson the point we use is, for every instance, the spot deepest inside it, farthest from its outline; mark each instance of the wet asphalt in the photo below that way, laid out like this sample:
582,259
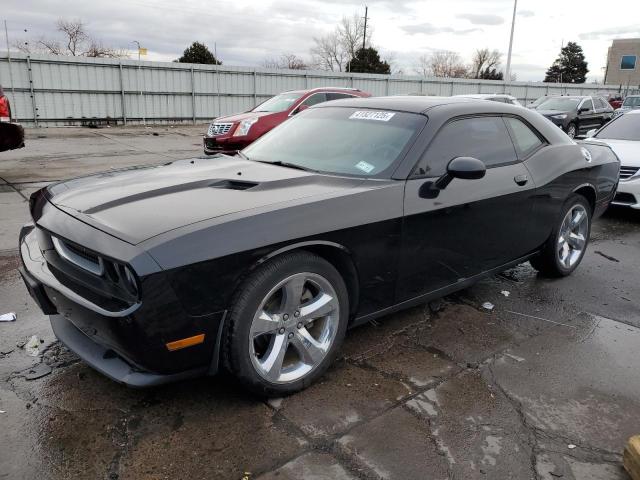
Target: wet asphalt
544,386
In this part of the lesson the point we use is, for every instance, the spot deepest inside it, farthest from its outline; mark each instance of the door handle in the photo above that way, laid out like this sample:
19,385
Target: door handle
521,179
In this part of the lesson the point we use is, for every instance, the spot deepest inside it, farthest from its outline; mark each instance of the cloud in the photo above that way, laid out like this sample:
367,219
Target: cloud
631,30
482,19
526,13
430,29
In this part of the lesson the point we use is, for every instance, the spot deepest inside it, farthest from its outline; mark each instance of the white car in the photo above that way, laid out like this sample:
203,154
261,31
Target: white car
494,97
622,134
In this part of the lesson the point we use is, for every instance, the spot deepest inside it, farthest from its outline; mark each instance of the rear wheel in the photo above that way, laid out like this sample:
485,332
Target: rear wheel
565,248
286,324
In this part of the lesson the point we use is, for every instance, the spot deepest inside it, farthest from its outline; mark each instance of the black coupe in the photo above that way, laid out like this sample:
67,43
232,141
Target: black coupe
351,210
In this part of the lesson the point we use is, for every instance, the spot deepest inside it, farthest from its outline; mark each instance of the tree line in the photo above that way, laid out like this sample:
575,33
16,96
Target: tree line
347,48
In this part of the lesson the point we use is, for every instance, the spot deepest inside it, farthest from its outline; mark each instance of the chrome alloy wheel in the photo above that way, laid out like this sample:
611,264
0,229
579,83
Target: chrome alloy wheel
572,237
294,327
572,131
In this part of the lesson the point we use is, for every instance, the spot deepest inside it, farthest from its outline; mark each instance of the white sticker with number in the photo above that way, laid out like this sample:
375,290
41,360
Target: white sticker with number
365,167
372,115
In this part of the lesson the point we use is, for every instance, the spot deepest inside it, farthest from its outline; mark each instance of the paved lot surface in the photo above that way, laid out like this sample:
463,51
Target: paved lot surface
545,386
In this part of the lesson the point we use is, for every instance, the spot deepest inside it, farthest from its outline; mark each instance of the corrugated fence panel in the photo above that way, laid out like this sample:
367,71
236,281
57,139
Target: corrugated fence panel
77,90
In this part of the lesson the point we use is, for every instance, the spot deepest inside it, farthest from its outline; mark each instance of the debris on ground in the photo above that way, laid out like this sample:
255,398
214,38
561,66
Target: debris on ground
631,457
8,317
608,257
39,371
571,446
488,306
506,293
2,411
31,347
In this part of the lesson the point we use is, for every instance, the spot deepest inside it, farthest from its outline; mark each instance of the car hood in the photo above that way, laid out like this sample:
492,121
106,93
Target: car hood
550,113
241,116
137,204
628,151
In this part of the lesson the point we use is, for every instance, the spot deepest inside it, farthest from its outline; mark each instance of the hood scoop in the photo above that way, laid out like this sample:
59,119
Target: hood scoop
234,185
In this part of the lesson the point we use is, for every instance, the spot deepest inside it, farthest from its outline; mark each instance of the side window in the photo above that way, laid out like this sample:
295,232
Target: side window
485,138
587,104
338,96
598,103
315,99
525,140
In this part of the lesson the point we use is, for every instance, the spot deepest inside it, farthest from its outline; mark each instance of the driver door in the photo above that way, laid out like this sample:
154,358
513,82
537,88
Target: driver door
471,226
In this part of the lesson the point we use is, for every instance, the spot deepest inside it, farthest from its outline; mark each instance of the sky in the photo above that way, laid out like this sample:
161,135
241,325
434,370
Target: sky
246,33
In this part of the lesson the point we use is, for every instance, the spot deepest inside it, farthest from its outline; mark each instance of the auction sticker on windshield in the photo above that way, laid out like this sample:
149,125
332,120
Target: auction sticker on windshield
365,167
372,115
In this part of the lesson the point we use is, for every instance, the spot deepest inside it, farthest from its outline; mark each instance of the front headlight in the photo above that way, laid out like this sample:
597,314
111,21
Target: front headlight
245,126
559,117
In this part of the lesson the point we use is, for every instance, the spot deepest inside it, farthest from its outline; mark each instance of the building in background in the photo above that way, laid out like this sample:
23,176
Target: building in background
623,63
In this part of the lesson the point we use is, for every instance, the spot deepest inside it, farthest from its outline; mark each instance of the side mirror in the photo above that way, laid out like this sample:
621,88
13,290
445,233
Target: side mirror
591,132
584,110
464,168
300,109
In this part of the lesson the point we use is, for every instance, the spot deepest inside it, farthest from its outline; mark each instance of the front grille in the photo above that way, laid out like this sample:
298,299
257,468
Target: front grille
624,198
216,129
628,172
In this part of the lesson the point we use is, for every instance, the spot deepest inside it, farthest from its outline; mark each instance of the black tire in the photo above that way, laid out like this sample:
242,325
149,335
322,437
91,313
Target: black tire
236,354
571,126
548,261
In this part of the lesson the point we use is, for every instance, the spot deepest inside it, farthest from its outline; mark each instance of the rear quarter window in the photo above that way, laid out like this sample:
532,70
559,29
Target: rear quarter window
525,139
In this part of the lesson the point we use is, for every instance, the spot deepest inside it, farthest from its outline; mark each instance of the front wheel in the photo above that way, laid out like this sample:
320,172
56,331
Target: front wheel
564,250
286,324
572,130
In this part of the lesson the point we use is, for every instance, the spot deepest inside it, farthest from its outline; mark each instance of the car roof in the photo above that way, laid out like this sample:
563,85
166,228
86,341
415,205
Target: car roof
324,89
408,103
484,95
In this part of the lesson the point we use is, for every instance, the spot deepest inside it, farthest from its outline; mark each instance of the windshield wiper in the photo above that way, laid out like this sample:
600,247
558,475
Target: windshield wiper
288,165
242,155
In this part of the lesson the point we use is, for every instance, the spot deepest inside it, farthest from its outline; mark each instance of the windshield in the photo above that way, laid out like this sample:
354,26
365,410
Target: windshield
631,102
538,101
279,103
339,140
559,104
624,127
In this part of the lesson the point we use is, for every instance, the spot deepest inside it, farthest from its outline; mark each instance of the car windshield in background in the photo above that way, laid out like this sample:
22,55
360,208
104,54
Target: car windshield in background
631,102
625,127
559,104
279,103
339,140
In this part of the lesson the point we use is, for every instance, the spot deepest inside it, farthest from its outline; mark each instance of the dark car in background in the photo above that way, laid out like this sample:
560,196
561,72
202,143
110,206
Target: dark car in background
234,132
576,115
345,213
11,134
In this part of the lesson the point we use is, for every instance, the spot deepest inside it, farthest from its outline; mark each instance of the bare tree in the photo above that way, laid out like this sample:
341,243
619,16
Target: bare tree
442,64
286,60
333,51
483,58
74,33
75,42
328,53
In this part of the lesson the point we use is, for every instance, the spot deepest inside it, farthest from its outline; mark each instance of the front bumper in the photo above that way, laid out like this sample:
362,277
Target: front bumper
628,194
223,144
559,122
127,346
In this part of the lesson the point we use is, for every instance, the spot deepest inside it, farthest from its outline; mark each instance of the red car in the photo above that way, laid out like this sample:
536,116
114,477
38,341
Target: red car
234,132
11,134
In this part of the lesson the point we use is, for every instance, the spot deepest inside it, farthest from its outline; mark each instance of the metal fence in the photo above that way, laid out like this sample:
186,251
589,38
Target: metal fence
53,91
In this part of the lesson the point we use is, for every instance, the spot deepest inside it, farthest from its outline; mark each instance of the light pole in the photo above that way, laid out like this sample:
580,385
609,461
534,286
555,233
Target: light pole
138,44
507,79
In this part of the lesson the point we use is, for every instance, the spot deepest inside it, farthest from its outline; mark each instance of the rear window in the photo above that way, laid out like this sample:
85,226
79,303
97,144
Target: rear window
339,140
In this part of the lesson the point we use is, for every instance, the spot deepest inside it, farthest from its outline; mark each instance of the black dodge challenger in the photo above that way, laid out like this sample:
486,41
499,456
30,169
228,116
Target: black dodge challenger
351,210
